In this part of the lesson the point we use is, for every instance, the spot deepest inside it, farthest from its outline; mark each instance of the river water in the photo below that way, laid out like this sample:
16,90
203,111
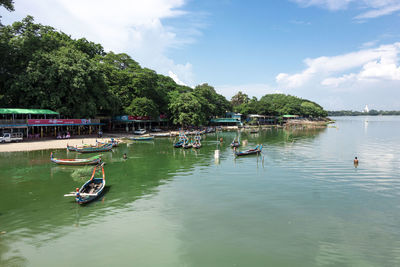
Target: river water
301,203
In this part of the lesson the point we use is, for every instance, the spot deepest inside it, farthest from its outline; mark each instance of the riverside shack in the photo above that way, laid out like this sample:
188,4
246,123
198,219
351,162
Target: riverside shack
39,123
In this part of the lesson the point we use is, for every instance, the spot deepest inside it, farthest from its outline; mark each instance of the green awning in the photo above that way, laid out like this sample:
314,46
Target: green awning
290,116
27,111
225,120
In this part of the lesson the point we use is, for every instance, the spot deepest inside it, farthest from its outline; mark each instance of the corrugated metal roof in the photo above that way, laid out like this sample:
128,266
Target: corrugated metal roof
27,111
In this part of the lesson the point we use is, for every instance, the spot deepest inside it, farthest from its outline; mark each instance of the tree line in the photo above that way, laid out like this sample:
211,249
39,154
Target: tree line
44,68
372,112
276,105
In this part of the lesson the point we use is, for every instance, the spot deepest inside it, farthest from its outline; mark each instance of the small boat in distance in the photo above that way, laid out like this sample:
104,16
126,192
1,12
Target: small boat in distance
187,144
102,148
92,189
181,141
142,138
112,141
74,148
256,150
197,143
77,162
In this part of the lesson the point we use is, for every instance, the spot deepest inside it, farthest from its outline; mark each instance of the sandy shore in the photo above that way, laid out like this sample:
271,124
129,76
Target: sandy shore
48,144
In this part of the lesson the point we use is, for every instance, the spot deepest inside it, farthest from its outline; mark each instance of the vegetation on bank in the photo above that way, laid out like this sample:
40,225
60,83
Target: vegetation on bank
44,68
372,112
276,105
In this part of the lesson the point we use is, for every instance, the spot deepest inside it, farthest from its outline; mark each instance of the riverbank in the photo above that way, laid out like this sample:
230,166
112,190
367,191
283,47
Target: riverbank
48,144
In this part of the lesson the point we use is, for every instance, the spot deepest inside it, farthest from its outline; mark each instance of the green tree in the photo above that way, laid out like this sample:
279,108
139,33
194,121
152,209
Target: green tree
142,106
185,109
239,99
7,4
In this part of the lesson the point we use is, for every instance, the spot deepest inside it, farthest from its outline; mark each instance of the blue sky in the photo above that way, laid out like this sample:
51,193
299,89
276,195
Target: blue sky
343,54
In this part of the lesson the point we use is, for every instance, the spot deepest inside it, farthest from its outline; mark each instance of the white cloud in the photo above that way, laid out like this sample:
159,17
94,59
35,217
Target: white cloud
369,64
375,8
378,12
175,78
369,44
353,79
329,4
135,27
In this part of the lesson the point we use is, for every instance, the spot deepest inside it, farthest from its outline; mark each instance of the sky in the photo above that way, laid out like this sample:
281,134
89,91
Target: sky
342,54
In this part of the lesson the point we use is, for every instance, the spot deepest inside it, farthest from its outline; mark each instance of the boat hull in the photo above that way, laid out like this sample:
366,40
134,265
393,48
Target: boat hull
142,138
100,182
255,151
61,162
104,148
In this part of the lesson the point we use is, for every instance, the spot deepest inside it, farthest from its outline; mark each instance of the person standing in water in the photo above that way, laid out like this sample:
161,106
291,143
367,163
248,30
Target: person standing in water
125,157
355,162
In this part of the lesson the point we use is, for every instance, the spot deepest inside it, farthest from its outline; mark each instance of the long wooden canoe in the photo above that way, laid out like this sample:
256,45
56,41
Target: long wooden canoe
255,150
142,138
77,162
102,148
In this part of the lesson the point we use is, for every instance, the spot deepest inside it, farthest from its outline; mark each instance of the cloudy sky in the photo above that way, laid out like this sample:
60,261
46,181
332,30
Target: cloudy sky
343,54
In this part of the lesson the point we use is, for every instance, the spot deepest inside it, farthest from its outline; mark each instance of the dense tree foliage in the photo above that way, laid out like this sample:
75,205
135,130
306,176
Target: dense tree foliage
74,77
43,68
7,4
186,109
276,105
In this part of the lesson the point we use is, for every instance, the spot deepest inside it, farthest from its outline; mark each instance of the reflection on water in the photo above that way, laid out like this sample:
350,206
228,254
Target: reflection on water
301,202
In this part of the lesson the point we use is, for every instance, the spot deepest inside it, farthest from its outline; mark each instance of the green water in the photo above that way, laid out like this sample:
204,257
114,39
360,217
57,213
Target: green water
301,203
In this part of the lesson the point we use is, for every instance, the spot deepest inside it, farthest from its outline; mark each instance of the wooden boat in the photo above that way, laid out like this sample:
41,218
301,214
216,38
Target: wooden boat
235,143
92,189
187,145
71,148
111,141
102,148
142,138
179,144
256,150
182,140
197,143
95,160
74,148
